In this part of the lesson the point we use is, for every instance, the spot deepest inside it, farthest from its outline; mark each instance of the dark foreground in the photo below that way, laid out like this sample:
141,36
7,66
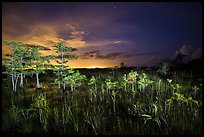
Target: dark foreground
150,105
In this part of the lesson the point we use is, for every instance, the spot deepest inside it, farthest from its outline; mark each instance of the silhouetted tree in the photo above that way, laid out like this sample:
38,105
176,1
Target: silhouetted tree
122,65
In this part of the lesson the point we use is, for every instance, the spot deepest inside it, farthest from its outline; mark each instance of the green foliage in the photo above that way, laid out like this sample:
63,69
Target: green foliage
111,85
164,69
41,105
73,78
155,116
92,81
63,53
14,65
93,87
168,107
132,77
124,82
62,48
144,81
24,57
93,118
180,98
15,113
169,81
35,60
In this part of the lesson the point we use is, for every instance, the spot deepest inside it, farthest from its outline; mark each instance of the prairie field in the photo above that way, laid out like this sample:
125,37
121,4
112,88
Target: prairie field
123,101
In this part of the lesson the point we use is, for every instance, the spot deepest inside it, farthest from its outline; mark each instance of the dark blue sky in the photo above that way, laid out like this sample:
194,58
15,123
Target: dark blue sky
105,34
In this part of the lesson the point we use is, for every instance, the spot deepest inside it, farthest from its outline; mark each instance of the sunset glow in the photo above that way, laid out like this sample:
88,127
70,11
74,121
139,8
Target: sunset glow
106,35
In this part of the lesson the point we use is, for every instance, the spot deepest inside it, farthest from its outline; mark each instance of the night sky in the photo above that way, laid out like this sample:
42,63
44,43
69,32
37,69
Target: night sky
106,34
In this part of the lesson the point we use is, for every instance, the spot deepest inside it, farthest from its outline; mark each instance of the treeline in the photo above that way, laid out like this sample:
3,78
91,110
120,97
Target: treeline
28,60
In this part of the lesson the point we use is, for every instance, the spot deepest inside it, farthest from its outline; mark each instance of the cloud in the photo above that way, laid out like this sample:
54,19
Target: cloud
185,50
189,53
68,31
117,42
143,59
146,54
92,54
96,54
70,27
79,30
99,55
106,46
197,53
77,35
43,48
65,56
76,43
98,31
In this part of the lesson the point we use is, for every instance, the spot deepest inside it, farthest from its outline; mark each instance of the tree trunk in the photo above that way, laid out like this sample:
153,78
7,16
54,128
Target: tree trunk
64,85
114,106
62,64
12,78
95,87
58,79
16,80
21,83
132,87
91,94
38,83
72,89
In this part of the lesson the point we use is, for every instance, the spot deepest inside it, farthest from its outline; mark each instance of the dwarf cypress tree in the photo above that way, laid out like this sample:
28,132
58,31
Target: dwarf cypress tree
63,53
37,62
15,62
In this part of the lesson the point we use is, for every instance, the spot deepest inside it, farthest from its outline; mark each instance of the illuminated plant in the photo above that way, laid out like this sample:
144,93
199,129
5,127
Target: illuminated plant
11,70
113,96
41,105
92,81
132,79
14,65
155,116
180,98
63,53
164,69
37,62
195,90
169,80
111,86
125,81
74,79
94,118
175,87
144,81
138,109
93,87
